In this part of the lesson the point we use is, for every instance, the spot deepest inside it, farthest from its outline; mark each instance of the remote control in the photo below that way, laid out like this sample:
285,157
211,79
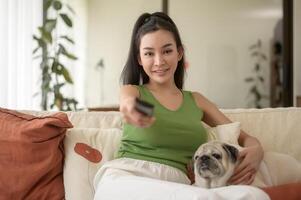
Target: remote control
144,107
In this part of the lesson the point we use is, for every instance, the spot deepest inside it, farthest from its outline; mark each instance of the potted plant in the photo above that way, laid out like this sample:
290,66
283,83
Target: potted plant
53,52
256,80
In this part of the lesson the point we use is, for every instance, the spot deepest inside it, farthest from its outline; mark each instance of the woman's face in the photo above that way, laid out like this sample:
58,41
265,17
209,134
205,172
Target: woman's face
159,56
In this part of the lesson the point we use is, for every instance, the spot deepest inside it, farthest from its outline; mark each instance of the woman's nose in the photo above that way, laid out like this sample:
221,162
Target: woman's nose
159,60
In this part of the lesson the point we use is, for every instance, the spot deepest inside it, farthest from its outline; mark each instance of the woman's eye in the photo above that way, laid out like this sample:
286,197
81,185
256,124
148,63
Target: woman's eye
217,156
148,53
168,51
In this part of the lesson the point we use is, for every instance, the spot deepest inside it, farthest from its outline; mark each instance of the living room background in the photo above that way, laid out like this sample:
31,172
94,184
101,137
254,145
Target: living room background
216,37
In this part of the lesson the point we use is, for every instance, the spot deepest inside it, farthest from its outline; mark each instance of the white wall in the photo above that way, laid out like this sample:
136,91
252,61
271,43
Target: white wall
217,35
297,49
110,23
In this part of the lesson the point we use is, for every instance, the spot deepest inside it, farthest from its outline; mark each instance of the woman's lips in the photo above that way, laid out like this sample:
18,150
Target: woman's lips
160,71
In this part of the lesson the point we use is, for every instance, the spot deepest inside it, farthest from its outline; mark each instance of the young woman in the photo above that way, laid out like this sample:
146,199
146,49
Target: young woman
160,146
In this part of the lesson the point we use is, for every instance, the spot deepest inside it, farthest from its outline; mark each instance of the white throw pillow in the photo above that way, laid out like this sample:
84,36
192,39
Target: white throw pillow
86,149
275,169
227,133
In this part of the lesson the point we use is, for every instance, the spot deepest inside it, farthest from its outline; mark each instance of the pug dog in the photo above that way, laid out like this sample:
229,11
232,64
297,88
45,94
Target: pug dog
214,163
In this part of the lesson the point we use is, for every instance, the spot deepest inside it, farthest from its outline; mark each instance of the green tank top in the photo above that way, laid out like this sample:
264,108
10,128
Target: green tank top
172,139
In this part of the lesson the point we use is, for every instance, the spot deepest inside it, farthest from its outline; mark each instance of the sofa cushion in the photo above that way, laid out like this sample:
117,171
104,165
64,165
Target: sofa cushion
275,169
31,155
86,151
228,133
278,129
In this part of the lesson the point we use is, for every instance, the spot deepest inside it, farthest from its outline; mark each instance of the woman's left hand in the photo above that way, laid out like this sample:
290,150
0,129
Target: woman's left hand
245,171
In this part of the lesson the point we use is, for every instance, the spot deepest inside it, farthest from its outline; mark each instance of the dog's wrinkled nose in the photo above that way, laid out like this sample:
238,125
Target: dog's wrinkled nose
205,158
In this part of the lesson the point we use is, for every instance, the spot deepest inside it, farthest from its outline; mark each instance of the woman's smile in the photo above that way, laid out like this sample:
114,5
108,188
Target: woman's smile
160,72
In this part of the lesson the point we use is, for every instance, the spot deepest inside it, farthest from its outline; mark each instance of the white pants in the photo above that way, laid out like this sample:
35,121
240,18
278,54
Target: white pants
130,179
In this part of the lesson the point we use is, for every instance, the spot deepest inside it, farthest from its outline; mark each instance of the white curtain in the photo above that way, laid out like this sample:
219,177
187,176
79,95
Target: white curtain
19,73
19,78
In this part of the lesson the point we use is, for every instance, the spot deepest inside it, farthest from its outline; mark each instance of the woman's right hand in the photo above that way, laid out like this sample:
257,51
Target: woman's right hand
132,116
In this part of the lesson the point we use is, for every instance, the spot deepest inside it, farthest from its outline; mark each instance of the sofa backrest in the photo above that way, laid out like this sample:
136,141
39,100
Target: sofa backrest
278,129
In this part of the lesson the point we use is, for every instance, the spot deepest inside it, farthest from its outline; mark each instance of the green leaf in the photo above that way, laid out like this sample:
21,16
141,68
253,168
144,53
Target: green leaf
35,50
257,67
54,67
67,75
57,5
63,50
69,55
263,56
68,39
48,4
255,54
249,79
253,89
50,25
70,9
41,43
66,19
261,79
35,37
259,43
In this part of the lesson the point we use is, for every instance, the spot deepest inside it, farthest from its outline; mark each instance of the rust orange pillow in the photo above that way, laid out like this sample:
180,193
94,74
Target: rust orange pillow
32,155
290,191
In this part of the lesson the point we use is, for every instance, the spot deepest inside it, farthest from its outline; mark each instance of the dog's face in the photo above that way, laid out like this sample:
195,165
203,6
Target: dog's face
214,161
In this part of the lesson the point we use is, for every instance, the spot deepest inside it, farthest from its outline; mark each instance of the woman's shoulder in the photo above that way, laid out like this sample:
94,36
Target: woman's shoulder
201,100
196,95
130,89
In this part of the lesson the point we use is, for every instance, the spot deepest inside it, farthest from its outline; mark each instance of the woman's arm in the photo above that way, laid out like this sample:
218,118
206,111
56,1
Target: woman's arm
128,95
250,157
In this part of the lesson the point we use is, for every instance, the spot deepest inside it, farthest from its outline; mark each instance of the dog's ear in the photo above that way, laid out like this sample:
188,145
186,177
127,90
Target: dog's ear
231,151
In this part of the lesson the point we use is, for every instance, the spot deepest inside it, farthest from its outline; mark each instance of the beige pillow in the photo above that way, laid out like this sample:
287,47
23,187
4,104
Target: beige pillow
86,149
275,169
228,133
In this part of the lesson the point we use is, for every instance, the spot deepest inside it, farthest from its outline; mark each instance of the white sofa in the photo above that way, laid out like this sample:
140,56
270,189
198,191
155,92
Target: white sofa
278,129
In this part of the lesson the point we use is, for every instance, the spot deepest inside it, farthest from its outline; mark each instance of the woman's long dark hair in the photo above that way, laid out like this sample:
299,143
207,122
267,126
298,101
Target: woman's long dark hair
132,72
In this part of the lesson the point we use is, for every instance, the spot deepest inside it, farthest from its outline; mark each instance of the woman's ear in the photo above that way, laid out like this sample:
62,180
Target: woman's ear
180,53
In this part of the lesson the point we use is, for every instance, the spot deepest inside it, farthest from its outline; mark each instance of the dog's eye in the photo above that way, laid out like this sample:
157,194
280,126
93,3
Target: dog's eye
196,157
217,156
